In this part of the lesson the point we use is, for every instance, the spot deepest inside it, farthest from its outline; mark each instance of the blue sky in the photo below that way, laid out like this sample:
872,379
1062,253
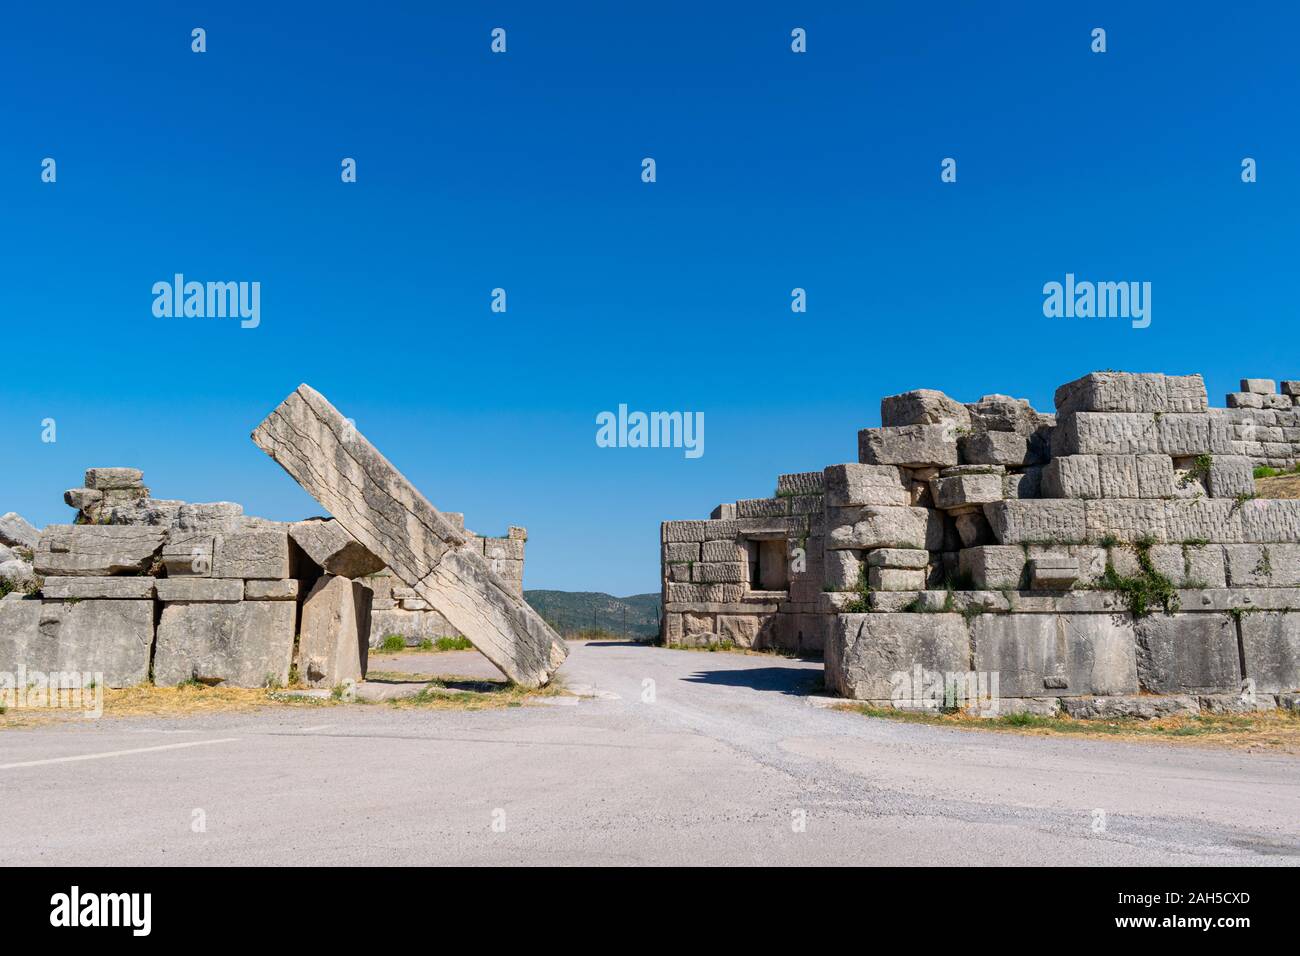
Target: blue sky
522,171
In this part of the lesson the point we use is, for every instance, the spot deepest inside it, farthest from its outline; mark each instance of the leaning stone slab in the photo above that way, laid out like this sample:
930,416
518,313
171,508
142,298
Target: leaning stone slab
200,589
1188,653
243,644
326,542
335,632
109,638
866,653
371,499
1057,654
95,550
90,588
1270,643
16,532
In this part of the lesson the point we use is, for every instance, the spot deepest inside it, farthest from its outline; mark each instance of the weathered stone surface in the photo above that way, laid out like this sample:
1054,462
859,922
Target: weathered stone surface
391,519
725,552
1118,476
1266,520
111,638
855,484
209,516
1186,565
800,483
83,499
1259,386
994,567
1245,400
1155,476
1045,520
1058,654
328,544
1291,387
1138,433
253,553
1026,484
994,448
88,588
898,558
200,589
960,491
884,527
1263,565
865,652
95,550
843,569
16,532
742,630
114,479
1187,653
1126,520
243,644
271,590
18,573
1073,476
912,446
1132,392
686,551
762,507
719,573
922,406
414,627
1053,572
334,636
972,528
895,579
1231,476
678,531
1270,642
1143,708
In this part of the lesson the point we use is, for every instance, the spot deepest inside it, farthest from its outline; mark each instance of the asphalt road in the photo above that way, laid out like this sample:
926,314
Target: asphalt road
726,764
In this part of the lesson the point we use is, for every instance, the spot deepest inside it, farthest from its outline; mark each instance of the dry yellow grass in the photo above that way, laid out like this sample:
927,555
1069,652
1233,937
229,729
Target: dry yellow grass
1274,731
1279,486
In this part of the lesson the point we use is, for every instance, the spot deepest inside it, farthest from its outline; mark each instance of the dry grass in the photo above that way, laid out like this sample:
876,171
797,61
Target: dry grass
1279,486
1274,731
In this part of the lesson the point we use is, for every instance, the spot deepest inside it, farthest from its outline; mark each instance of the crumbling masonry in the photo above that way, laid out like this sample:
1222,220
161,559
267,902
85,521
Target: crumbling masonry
1110,558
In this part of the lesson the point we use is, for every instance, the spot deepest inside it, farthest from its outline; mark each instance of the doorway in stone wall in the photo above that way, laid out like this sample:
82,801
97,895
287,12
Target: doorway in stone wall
768,564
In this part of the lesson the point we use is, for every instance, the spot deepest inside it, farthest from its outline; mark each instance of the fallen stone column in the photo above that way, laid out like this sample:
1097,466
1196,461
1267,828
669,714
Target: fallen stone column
374,502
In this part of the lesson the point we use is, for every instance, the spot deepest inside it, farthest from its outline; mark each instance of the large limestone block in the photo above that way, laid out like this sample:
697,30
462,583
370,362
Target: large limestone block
911,446
1030,521
672,532
1259,386
1126,520
242,644
1072,476
843,569
252,553
994,448
800,483
83,589
327,543
868,654
994,567
961,491
325,453
922,406
1263,565
1203,519
1139,433
884,527
1270,642
1132,392
109,638
97,550
1057,654
1118,476
114,479
1231,476
206,590
857,484
335,633
16,532
1188,653
1003,413
1267,520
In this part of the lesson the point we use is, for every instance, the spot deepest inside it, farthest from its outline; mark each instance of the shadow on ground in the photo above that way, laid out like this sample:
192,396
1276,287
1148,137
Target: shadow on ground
796,681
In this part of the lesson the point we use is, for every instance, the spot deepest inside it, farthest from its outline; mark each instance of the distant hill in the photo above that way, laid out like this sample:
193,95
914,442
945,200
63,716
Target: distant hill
572,611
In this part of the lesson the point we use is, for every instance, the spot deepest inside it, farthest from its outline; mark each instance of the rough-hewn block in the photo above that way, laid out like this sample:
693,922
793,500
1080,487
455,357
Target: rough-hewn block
993,448
719,573
800,483
1259,386
1231,476
271,590
1072,476
961,491
884,527
1263,565
729,551
1267,520
678,531
16,532
254,553
854,484
1126,520
684,551
1045,520
326,454
90,588
97,550
244,644
109,639
1118,476
1058,654
1187,653
866,653
843,569
922,406
762,507
213,590
335,551
912,446
334,636
1203,519
1270,642
1132,392
895,579
114,479
898,558
1138,433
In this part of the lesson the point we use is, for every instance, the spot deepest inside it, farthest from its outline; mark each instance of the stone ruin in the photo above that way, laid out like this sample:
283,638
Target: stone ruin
140,589
1110,558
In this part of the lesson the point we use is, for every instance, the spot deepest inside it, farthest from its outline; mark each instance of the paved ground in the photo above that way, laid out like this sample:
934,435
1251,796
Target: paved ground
717,769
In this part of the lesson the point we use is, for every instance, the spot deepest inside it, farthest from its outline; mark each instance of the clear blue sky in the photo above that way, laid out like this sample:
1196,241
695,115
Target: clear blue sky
775,170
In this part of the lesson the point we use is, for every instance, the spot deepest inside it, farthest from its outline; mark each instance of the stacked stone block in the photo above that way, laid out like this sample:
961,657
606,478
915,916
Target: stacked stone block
1264,423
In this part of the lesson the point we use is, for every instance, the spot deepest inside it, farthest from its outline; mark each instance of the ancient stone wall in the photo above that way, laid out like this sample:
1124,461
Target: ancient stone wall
1110,549
1264,423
